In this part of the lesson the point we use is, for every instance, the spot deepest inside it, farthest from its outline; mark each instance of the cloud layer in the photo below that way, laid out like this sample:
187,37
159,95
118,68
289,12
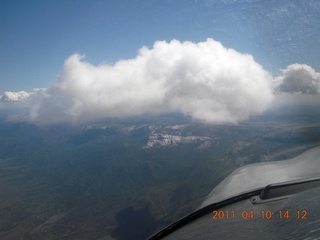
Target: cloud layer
298,78
203,80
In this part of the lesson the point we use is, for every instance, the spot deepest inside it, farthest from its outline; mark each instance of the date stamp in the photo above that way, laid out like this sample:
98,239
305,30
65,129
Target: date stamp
264,214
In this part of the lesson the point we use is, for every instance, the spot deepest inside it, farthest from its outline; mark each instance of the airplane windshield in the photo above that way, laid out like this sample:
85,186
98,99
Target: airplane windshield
123,119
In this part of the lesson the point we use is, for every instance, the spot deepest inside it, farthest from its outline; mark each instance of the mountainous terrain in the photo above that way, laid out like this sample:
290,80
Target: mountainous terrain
125,179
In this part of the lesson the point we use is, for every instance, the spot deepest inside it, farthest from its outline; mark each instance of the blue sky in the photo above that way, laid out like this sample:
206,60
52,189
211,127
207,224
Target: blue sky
38,36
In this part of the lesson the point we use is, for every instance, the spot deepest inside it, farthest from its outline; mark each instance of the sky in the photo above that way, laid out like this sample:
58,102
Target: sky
106,58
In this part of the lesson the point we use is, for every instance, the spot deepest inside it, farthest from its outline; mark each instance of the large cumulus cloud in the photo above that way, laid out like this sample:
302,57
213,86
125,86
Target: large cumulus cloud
298,79
203,80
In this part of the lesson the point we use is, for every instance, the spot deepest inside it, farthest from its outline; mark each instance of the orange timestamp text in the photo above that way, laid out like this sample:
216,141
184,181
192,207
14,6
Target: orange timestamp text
264,214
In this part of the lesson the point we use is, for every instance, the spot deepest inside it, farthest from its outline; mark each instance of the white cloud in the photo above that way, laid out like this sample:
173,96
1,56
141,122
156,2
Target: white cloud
14,96
298,78
203,80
